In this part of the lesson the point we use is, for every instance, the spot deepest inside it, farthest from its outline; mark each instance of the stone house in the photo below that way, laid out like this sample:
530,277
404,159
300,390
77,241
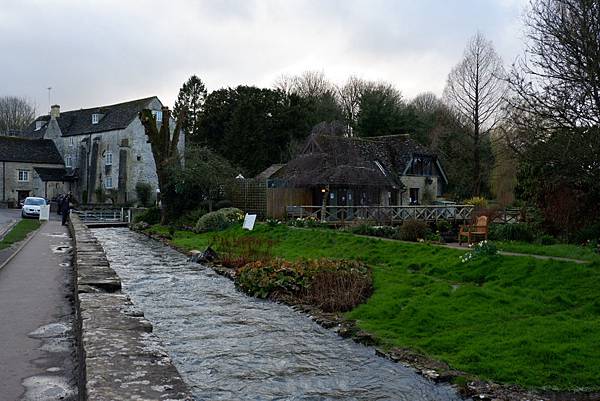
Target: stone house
389,170
104,148
31,168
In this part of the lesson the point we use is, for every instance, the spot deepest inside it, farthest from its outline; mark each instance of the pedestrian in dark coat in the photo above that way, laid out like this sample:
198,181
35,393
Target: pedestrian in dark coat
65,207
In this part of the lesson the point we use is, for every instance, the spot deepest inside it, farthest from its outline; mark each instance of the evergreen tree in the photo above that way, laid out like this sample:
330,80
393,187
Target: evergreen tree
190,100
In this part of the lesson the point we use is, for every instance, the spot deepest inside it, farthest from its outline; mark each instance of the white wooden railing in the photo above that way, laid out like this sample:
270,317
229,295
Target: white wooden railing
120,215
382,214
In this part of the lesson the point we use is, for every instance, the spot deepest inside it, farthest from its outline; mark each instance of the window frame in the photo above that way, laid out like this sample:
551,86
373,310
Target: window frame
95,118
108,180
108,160
69,161
25,176
157,114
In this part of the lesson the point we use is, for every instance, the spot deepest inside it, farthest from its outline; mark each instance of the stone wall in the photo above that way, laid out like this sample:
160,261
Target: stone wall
120,357
34,184
132,159
419,182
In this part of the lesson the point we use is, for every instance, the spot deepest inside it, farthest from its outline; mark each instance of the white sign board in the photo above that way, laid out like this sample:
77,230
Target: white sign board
249,221
45,212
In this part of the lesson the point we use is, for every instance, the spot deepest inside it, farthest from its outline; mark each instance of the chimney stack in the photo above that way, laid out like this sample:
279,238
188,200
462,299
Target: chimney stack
55,111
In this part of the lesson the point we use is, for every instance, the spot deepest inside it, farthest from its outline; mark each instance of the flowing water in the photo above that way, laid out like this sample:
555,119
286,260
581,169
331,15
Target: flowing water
228,346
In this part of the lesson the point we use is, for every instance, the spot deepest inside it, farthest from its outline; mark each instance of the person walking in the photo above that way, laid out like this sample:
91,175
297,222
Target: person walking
65,207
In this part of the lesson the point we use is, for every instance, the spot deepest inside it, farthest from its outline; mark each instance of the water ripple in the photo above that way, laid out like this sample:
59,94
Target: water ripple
228,346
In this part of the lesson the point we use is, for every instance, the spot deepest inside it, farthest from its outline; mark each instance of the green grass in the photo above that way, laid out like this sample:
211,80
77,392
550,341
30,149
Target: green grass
557,250
19,232
518,320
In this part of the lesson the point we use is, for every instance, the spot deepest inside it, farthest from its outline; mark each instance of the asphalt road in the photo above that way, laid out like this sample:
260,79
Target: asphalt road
36,315
8,215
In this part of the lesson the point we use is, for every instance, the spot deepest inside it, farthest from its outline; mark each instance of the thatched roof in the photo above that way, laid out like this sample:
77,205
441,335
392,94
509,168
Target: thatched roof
332,160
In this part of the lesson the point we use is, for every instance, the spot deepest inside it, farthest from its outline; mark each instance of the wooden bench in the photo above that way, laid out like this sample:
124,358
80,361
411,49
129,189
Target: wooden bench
470,231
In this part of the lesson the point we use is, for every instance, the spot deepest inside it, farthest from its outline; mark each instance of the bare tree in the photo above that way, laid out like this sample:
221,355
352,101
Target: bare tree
307,84
559,78
349,96
16,113
475,90
426,102
285,83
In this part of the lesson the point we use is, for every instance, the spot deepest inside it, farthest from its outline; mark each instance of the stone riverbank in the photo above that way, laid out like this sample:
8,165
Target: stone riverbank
121,358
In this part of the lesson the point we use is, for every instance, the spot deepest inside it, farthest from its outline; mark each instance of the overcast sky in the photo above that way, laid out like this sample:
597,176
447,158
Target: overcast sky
96,53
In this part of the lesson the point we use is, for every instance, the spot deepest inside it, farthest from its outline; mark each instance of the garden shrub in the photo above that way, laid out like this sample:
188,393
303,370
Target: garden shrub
332,285
413,230
443,226
190,218
546,239
219,220
306,222
143,191
512,232
150,216
376,231
477,201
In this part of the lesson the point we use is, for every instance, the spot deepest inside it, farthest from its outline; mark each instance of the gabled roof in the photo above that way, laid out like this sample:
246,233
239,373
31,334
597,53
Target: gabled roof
78,122
269,171
40,151
333,160
53,174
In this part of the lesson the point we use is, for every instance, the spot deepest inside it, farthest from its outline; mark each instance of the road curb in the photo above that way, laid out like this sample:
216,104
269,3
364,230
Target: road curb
8,228
23,243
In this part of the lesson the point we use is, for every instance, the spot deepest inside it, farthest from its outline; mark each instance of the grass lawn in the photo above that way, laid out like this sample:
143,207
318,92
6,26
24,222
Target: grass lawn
558,250
518,320
19,232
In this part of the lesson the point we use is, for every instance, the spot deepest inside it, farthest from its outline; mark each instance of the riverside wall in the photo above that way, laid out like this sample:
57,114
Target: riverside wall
119,356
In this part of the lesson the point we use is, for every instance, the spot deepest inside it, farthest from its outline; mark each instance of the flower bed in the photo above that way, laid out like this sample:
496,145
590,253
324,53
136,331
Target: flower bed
332,285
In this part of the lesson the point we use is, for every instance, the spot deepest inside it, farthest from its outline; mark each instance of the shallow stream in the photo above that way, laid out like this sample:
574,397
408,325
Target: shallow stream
228,346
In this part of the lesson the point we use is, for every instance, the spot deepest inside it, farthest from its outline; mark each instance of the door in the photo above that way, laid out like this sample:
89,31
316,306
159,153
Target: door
21,195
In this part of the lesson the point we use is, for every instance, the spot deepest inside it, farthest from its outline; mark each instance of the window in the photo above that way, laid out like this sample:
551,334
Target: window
71,141
68,161
39,125
95,118
108,183
23,175
108,159
422,165
414,196
157,115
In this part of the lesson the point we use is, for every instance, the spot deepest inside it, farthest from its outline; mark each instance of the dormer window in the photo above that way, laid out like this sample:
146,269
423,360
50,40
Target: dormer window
38,125
96,118
157,115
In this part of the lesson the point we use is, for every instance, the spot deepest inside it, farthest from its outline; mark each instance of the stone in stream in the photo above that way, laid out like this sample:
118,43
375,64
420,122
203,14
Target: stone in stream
207,256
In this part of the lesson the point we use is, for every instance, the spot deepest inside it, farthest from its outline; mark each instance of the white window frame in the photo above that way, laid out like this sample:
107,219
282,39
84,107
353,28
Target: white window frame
68,161
23,176
158,115
109,159
108,182
95,118
71,142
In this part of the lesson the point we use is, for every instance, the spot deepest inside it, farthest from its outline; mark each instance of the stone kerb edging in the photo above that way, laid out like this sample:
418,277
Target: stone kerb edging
120,358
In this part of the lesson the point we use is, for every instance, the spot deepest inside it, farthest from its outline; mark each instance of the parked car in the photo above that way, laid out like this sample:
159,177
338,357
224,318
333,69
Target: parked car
31,206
